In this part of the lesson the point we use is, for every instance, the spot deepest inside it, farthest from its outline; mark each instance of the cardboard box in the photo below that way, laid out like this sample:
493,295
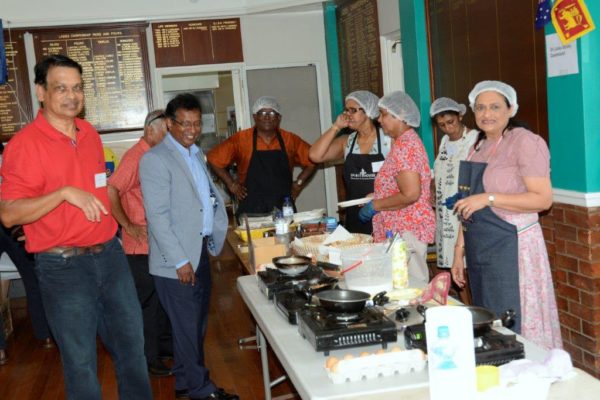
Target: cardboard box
265,249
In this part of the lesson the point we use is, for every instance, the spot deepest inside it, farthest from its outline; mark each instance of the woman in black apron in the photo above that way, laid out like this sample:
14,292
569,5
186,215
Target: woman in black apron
505,249
364,151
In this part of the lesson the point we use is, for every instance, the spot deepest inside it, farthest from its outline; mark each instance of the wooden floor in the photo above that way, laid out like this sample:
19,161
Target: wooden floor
35,373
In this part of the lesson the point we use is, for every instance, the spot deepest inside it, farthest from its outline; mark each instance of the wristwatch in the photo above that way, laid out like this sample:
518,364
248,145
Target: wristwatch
299,182
491,199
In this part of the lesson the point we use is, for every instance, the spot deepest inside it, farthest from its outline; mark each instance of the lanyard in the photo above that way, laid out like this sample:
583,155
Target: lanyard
492,152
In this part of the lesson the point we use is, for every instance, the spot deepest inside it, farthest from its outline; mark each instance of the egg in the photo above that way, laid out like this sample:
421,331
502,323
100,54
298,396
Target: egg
348,357
330,362
380,351
396,349
365,354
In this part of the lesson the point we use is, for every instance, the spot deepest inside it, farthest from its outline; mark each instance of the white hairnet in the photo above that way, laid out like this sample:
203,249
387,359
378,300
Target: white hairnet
266,102
446,104
367,101
495,86
401,106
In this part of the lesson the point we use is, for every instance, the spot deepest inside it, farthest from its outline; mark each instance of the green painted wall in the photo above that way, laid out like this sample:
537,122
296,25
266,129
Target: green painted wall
574,118
333,59
415,55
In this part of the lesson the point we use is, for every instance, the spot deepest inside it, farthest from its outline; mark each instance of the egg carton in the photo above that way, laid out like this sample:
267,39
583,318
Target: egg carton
371,366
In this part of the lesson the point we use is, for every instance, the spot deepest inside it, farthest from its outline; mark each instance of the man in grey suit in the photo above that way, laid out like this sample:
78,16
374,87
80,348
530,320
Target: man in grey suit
186,221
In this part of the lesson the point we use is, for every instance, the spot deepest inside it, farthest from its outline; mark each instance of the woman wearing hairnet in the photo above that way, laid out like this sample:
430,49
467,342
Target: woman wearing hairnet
447,114
505,182
401,201
363,151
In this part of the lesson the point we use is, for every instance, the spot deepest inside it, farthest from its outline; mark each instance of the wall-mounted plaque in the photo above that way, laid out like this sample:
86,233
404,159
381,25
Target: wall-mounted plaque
358,41
115,71
15,96
181,43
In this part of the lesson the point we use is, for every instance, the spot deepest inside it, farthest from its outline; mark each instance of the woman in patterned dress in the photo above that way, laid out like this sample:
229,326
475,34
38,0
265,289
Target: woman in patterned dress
447,114
501,236
402,198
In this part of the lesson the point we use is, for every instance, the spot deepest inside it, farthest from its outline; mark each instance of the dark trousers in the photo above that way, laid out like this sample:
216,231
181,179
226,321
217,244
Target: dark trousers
2,338
187,307
25,265
157,329
88,295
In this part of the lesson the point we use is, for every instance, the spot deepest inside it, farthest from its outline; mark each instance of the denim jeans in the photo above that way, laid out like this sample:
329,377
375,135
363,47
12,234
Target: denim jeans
25,265
88,295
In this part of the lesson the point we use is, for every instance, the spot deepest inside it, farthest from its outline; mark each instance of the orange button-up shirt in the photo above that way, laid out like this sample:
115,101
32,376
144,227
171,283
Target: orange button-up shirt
238,149
126,179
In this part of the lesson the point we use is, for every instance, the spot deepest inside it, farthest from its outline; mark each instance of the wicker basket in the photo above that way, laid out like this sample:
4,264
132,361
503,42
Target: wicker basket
314,245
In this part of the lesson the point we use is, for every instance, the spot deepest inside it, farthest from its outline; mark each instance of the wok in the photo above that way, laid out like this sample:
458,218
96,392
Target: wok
343,301
483,318
292,265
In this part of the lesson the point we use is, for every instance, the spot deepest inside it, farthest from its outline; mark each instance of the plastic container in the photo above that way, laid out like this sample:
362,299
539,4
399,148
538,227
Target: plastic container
288,210
374,274
282,233
451,353
399,253
330,224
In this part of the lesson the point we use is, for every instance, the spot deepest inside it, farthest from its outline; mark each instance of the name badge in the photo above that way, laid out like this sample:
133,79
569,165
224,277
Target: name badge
100,180
376,165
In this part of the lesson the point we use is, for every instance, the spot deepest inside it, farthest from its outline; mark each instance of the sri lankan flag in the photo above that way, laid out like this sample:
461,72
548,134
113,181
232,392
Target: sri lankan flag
571,19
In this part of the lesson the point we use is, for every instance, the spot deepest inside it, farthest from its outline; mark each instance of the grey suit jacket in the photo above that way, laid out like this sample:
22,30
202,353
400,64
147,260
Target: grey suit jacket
174,211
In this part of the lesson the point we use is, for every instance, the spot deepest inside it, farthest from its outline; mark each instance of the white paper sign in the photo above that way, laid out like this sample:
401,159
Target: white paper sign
561,59
100,180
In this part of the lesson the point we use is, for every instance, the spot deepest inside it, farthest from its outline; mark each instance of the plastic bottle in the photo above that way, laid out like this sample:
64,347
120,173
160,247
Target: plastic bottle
282,234
451,354
399,252
288,210
330,224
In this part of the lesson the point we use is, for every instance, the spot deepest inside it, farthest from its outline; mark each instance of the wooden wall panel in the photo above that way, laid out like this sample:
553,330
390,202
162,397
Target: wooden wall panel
475,40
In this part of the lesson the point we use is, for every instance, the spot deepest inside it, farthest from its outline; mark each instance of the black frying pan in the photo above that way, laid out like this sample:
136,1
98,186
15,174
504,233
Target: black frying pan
482,318
343,301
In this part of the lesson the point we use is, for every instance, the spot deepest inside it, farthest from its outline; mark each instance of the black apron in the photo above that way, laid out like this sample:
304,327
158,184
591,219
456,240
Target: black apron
360,180
491,249
269,179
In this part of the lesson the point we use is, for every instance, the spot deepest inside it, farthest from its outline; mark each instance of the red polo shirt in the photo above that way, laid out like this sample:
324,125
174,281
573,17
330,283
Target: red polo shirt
39,160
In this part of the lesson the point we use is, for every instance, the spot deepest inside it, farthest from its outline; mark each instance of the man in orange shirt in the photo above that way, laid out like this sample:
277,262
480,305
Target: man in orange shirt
265,156
127,204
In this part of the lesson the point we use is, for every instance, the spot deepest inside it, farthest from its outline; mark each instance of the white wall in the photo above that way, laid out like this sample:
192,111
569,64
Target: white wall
20,13
388,12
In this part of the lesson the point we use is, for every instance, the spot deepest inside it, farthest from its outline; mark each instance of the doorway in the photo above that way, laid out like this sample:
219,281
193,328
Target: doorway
296,90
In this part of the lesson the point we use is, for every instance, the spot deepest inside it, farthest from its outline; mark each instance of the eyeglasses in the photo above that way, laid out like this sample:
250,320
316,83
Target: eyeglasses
263,113
480,108
352,110
156,117
187,125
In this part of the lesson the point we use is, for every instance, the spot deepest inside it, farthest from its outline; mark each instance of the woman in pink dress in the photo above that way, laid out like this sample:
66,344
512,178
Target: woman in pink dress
506,182
402,199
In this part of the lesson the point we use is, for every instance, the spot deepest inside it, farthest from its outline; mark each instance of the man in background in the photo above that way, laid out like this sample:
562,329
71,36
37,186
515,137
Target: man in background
125,194
54,184
186,220
265,156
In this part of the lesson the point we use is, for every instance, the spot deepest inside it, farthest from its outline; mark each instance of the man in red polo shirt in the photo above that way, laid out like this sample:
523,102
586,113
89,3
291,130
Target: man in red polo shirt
127,204
54,184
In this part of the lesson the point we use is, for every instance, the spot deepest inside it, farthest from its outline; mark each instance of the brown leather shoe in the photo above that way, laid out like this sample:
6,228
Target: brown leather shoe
48,343
3,357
